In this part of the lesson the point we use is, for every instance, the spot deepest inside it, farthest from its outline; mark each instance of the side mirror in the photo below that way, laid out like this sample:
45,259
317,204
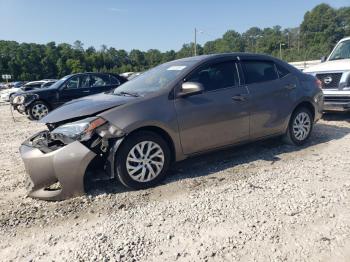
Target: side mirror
190,88
323,59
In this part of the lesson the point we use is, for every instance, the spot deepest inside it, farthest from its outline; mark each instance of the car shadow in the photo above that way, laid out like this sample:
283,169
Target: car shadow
339,116
267,150
210,163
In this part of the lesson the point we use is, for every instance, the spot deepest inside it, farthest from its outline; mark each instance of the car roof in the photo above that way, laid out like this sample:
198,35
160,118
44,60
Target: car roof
197,60
202,58
36,82
344,39
103,73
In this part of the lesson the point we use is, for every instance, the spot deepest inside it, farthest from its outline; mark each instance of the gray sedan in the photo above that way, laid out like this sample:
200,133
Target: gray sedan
171,112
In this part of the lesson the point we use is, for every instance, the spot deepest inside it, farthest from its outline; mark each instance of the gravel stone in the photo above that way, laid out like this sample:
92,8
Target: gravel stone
260,202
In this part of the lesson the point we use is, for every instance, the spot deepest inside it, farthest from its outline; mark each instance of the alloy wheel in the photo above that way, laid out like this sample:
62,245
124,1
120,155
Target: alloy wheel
145,161
301,126
39,111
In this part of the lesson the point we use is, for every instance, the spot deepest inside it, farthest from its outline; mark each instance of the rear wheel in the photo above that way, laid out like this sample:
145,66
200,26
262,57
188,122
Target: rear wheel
300,127
38,110
142,160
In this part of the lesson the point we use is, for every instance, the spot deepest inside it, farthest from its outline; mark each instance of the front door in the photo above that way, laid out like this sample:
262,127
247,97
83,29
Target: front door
77,86
217,117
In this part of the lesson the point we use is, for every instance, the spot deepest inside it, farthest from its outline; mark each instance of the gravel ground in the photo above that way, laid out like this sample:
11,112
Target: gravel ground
259,202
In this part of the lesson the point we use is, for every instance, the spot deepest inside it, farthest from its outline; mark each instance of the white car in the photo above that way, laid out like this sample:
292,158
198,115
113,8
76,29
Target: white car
126,74
12,88
38,84
334,73
5,94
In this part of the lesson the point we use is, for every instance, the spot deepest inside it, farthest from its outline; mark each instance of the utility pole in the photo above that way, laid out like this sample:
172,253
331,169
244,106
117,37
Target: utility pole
298,40
195,41
281,49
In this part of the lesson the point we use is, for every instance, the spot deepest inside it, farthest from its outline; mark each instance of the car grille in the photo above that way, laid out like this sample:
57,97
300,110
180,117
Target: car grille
330,81
337,99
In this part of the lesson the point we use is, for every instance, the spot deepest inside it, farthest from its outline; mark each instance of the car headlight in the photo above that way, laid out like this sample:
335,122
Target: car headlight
18,100
80,130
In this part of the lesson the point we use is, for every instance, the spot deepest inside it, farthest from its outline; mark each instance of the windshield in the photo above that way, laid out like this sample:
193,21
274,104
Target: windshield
155,79
59,82
342,51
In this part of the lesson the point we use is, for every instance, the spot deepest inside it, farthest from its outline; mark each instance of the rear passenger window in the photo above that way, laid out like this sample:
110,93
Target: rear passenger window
99,80
216,76
282,71
73,83
259,71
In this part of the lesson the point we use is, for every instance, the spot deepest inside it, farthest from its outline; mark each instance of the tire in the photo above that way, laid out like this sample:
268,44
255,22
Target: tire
29,116
132,171
300,127
37,110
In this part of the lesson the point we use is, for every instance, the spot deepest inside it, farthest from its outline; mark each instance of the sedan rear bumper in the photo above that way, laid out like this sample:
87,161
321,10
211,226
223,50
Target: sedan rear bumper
66,166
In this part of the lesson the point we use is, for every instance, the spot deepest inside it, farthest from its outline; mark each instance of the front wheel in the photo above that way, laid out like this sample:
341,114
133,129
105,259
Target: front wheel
37,110
300,127
143,160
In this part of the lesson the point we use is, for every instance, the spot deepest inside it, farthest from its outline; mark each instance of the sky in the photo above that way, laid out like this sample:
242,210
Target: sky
132,24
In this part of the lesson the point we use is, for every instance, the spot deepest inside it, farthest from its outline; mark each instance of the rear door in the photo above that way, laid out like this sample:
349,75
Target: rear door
271,96
100,83
217,117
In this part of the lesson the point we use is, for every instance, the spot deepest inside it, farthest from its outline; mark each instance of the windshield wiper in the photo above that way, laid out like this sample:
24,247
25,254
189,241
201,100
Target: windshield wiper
124,93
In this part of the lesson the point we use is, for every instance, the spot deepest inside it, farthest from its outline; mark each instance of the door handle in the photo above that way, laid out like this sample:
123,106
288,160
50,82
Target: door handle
239,98
86,91
290,86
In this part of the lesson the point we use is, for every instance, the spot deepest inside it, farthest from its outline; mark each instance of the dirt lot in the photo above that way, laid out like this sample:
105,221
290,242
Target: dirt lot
260,202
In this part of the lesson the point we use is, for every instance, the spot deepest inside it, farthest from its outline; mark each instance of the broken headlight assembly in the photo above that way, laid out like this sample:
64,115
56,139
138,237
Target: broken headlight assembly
84,129
18,100
24,99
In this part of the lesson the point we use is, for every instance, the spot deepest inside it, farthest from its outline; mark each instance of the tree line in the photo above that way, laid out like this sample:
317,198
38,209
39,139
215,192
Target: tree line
319,31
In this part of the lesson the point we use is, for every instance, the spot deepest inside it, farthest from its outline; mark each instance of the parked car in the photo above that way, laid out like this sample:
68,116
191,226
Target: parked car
171,112
38,103
127,74
27,87
6,93
38,84
334,73
133,75
48,83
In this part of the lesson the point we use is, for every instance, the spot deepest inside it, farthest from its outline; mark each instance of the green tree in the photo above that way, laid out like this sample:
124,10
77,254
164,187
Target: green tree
317,34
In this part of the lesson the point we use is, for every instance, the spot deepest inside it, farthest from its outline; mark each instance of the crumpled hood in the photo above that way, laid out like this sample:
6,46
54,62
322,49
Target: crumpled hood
336,65
85,106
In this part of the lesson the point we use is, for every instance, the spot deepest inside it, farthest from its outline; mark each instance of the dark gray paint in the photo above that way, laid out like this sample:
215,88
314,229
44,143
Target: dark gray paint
212,119
66,165
85,106
197,123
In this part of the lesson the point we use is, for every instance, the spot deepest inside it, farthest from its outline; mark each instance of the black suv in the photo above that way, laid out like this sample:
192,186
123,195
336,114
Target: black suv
38,103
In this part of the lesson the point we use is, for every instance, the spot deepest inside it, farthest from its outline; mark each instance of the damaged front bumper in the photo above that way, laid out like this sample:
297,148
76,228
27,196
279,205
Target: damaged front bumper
22,104
64,167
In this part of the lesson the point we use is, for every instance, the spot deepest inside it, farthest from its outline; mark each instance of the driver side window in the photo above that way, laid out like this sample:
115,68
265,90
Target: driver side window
216,76
73,83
